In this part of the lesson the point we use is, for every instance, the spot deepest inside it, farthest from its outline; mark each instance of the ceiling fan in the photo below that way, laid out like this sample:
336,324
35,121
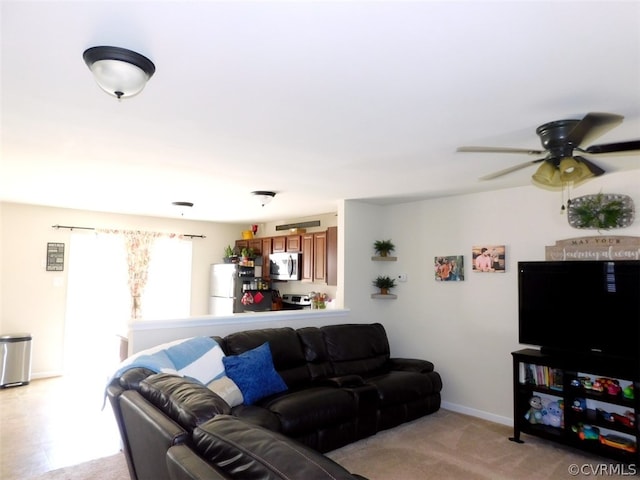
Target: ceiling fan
561,139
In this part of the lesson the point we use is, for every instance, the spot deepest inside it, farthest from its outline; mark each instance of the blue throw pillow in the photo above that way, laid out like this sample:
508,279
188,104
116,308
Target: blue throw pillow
254,373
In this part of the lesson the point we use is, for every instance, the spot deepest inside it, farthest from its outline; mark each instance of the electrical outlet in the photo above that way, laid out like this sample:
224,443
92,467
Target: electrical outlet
402,277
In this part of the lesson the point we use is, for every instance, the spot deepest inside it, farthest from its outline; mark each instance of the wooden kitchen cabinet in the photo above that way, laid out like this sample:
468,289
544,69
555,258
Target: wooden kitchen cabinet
320,257
332,256
266,251
319,253
286,243
294,243
254,243
314,257
279,244
307,258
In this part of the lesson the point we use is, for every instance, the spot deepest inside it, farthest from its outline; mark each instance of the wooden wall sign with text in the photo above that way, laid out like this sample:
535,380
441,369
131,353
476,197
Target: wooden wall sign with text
55,257
606,247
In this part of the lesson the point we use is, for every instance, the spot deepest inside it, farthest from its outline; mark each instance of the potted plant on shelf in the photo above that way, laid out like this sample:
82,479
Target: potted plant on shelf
247,255
229,255
384,283
383,247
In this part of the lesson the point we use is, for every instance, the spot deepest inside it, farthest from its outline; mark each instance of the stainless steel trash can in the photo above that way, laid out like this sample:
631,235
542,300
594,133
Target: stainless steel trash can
15,358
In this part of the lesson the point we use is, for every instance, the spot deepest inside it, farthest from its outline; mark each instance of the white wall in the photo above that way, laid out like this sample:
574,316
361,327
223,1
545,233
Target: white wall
469,328
34,300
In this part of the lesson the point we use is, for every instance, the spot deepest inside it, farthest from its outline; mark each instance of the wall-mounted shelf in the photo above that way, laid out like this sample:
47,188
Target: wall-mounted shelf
388,296
378,258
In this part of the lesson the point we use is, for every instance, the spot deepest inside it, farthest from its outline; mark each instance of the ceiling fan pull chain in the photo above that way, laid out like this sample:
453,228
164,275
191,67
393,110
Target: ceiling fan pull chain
563,208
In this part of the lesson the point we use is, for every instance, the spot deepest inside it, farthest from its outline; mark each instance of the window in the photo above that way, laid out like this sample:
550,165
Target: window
99,300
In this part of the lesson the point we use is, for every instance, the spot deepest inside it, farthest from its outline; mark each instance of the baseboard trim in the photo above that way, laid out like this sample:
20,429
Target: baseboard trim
477,413
41,375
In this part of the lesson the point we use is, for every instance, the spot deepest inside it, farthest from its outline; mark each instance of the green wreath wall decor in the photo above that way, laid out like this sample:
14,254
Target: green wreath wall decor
601,211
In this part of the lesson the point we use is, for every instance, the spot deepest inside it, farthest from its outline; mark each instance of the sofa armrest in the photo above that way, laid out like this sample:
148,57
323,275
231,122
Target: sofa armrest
185,401
184,464
411,365
341,382
130,380
244,451
148,435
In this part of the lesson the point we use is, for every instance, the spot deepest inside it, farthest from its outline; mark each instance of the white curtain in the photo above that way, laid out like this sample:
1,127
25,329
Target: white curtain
99,296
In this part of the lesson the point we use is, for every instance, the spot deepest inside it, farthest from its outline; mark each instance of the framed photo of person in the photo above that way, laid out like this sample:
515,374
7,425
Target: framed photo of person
489,258
449,268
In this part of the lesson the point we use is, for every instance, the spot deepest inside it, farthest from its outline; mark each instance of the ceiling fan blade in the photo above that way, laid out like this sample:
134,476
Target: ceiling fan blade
592,126
528,151
593,168
511,169
614,147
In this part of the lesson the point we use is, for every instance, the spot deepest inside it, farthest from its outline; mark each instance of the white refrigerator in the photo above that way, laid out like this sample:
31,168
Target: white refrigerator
223,280
231,283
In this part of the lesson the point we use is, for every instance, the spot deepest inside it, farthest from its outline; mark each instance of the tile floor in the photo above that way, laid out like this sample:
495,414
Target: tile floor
52,423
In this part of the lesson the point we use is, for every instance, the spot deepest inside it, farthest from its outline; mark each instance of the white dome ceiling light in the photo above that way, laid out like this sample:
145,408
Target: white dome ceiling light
119,72
263,196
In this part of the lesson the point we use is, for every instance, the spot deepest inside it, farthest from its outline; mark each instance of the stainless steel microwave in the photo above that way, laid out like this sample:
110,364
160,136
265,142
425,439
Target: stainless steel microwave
285,266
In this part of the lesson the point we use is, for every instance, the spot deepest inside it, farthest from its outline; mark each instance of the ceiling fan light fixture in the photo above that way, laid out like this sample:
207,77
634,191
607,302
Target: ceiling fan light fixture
119,72
263,196
561,139
569,169
584,173
547,175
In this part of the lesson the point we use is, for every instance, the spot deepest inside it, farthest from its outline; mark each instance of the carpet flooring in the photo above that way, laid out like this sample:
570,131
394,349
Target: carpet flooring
113,467
445,445
448,445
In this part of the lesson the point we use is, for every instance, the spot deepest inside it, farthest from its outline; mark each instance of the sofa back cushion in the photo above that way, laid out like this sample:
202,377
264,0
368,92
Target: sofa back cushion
185,401
245,451
286,351
315,352
357,349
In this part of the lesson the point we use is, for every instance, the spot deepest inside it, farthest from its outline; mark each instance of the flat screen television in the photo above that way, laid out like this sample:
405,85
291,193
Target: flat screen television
580,306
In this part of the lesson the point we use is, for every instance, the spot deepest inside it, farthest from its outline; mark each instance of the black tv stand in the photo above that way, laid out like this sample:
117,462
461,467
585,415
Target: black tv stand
586,401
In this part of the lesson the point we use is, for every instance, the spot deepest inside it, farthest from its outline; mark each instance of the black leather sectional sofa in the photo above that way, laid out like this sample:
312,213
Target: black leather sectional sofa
342,386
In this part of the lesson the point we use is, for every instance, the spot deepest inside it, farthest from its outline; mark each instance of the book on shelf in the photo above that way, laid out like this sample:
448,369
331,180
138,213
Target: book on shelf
541,376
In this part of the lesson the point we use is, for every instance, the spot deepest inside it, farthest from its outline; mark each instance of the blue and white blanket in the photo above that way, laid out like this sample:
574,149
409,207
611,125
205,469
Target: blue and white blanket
199,358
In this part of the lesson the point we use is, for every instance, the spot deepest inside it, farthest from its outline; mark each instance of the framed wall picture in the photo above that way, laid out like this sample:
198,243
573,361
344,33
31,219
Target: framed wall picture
449,268
489,258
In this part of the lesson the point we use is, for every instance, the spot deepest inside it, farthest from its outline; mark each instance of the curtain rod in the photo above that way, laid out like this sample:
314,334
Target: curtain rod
92,228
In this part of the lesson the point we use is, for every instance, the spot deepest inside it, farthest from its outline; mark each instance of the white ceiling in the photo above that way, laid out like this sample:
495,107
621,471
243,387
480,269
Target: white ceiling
317,101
